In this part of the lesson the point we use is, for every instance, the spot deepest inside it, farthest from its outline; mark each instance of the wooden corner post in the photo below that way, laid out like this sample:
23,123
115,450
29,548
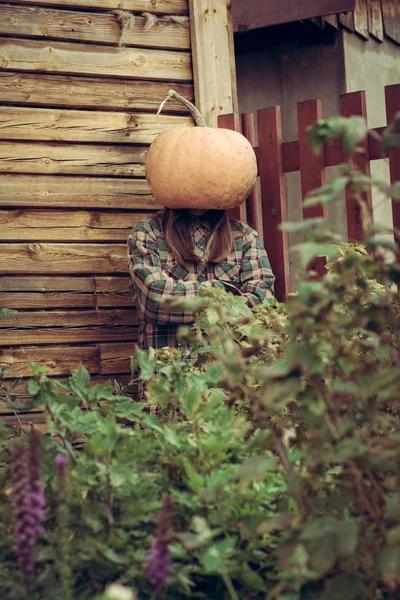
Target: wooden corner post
213,57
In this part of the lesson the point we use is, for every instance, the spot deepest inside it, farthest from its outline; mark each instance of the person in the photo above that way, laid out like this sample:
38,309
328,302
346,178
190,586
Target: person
177,251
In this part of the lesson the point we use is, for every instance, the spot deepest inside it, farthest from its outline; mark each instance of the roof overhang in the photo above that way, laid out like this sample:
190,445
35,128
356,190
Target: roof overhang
253,14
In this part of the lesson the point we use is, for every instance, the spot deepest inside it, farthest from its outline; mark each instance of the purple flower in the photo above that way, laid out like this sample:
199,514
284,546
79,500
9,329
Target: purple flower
159,563
61,464
27,499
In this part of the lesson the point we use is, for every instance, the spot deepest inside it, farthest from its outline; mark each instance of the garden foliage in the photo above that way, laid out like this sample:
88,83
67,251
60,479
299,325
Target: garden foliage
273,468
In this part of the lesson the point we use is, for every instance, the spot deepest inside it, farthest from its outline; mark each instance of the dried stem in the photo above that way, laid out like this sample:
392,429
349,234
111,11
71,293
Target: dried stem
194,111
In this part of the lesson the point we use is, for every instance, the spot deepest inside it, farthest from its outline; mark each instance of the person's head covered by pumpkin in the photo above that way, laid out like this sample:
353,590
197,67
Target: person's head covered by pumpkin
197,174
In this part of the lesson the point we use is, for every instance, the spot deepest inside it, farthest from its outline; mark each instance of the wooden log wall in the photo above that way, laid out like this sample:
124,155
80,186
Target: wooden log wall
80,84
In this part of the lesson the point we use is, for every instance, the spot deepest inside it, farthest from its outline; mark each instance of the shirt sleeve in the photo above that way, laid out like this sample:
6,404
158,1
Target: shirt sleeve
256,277
151,285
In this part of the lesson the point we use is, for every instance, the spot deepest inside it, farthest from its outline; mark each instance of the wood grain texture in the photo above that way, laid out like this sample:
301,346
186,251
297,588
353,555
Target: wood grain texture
391,19
38,292
346,19
74,159
361,19
76,192
115,358
68,327
375,19
392,101
213,59
67,226
167,32
173,7
89,92
30,258
61,360
92,59
18,123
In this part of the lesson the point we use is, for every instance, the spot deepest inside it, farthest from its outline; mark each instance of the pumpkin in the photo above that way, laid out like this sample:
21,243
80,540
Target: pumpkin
200,167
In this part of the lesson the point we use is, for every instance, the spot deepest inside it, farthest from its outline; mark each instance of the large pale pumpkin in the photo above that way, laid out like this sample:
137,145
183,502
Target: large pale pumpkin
200,167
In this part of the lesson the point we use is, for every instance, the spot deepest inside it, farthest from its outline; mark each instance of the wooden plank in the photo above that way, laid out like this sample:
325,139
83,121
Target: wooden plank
391,19
350,105
361,19
312,167
89,92
167,32
17,123
92,59
332,20
79,192
213,59
173,7
68,327
69,319
29,258
61,360
232,122
115,358
253,201
375,19
67,226
392,96
64,292
273,201
73,159
346,19
254,14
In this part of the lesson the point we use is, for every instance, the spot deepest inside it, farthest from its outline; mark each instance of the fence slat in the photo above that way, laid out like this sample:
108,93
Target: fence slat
273,201
252,205
232,121
354,104
312,167
392,94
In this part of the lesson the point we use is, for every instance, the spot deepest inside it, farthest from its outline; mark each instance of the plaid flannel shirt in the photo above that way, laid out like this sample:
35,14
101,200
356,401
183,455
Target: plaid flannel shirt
155,275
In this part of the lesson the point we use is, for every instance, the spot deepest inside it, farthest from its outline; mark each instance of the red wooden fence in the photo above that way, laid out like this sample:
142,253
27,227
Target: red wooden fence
276,157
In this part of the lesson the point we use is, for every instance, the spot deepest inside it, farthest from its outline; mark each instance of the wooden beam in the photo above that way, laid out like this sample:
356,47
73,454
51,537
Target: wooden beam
72,159
361,19
38,89
391,19
103,28
375,19
80,259
254,14
213,59
92,59
46,124
31,225
172,7
76,192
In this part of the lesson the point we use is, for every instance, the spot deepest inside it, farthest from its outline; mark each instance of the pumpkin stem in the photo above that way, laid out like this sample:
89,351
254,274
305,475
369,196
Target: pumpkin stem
195,112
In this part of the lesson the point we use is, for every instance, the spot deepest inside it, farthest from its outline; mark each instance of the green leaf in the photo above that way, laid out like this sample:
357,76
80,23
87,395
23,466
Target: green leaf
80,381
389,566
33,387
147,363
252,580
6,313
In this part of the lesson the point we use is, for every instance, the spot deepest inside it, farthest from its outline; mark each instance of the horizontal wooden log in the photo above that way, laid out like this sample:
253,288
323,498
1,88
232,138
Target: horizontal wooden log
167,32
72,159
67,226
90,92
173,7
29,258
61,360
17,123
115,358
79,192
66,335
64,292
92,59
69,319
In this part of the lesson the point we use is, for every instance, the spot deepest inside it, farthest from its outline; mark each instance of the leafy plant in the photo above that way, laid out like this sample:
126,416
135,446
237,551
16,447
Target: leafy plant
272,470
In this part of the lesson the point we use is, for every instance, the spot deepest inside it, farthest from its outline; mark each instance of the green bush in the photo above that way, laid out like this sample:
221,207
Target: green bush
273,468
